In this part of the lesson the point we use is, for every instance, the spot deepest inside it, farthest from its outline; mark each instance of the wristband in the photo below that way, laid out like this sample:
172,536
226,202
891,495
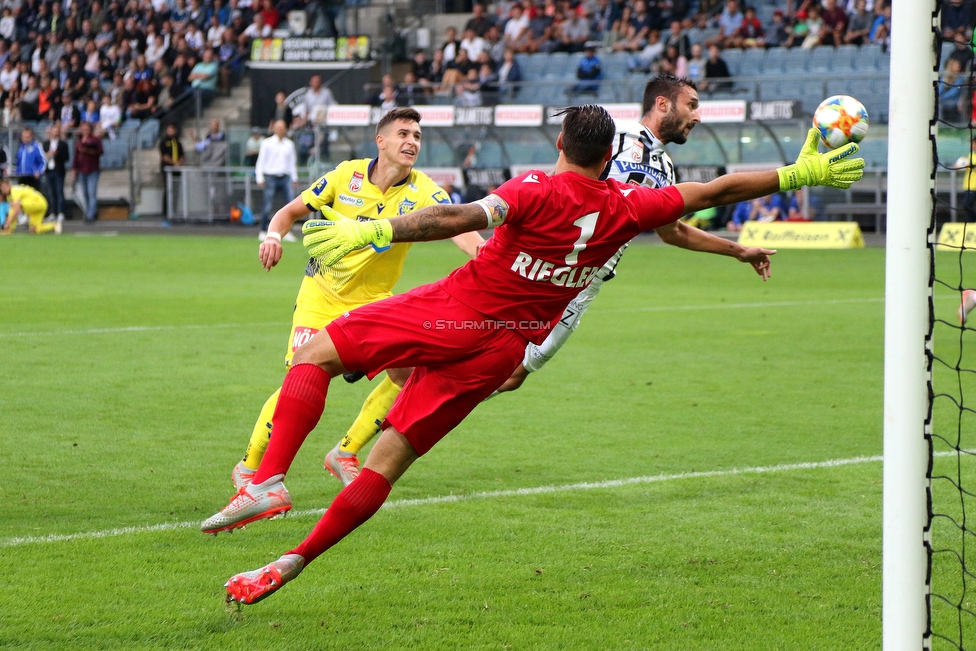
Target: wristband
276,235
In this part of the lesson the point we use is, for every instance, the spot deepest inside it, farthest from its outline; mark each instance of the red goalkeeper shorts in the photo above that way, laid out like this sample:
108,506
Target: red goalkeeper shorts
460,357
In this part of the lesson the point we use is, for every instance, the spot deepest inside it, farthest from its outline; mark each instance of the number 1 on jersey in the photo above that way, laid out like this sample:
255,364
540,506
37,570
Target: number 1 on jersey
586,224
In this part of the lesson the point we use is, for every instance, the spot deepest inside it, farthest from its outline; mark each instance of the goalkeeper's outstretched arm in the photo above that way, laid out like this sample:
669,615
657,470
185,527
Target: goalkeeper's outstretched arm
836,169
440,222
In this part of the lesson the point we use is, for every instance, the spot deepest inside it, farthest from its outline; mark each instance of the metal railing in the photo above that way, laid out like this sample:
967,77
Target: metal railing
207,194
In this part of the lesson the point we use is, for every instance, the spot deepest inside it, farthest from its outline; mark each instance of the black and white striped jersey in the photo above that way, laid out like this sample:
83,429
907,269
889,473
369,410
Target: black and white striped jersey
639,157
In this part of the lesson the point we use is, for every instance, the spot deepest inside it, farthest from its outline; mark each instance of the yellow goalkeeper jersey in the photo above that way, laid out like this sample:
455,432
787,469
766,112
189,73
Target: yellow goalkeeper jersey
366,275
31,201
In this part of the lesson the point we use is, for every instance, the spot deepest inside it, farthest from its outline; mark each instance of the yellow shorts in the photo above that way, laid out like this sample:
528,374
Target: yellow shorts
313,311
35,209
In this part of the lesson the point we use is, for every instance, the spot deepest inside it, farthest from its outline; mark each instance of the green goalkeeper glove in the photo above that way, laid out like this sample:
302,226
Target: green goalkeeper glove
835,168
330,240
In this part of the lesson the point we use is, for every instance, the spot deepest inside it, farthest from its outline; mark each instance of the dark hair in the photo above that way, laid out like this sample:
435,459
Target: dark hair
401,113
666,85
587,134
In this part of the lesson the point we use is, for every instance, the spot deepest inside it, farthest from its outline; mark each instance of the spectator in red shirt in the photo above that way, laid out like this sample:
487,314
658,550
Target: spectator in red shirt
88,151
834,24
270,15
750,33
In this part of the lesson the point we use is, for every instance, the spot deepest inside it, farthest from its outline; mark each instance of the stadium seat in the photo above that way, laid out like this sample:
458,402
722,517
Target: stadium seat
614,65
752,63
608,93
557,66
883,63
820,60
867,58
694,35
535,67
733,59
843,60
792,61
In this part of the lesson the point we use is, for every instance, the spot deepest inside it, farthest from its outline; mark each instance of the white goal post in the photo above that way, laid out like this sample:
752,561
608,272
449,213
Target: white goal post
910,165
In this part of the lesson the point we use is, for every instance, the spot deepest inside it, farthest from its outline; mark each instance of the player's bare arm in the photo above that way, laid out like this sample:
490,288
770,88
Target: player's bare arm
728,189
688,237
469,243
270,250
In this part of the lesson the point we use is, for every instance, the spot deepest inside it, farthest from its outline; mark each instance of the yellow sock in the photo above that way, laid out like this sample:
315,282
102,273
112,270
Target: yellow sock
43,227
261,434
367,424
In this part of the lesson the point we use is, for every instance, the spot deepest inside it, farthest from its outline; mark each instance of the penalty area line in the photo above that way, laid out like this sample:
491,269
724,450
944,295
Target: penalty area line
467,497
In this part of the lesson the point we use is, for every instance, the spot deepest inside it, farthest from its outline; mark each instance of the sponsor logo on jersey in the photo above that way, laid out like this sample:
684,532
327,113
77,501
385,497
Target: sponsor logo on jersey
531,178
626,191
441,197
352,201
561,275
413,188
356,182
319,186
302,335
657,177
405,207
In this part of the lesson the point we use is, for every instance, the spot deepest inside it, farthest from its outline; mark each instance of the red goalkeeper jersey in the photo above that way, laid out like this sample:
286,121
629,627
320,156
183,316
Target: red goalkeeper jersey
558,232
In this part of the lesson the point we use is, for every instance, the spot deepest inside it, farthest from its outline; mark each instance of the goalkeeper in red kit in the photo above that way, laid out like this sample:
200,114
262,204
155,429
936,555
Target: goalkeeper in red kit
466,333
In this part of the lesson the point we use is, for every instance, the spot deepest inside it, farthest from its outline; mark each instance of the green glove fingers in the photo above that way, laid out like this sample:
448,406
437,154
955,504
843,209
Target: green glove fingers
329,241
835,168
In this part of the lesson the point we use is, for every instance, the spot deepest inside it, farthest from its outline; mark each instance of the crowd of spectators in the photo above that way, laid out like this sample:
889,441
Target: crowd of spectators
105,61
957,82
475,65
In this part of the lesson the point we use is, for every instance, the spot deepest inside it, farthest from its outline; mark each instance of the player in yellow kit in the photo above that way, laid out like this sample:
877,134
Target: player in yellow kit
357,189
27,200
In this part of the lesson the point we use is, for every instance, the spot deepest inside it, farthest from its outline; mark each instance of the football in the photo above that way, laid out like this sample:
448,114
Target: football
840,119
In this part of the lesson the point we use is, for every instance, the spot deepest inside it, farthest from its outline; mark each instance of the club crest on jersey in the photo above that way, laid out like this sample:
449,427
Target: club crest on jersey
405,207
356,182
319,186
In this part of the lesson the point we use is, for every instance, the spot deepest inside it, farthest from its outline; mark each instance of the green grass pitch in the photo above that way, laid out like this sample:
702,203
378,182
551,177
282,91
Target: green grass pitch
133,369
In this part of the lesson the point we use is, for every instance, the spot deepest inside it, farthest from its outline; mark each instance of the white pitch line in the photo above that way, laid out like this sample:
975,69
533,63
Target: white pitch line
102,331
739,306
660,308
444,499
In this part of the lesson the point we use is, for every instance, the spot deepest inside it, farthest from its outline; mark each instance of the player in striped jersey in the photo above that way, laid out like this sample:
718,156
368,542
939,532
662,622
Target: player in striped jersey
670,112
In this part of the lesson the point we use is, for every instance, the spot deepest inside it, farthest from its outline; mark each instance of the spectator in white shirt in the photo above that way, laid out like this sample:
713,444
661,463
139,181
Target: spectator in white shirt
276,169
8,75
109,117
194,37
215,33
518,23
473,43
156,49
257,29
